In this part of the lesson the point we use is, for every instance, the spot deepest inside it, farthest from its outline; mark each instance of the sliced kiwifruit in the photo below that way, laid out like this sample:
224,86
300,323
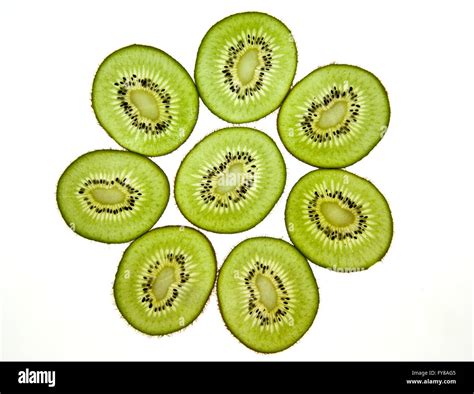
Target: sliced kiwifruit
245,66
230,180
339,220
334,116
112,196
145,100
164,279
268,296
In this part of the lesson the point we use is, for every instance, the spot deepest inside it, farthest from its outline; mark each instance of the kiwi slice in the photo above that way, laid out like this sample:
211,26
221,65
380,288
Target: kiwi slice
268,296
245,66
145,100
230,180
112,196
334,116
164,279
339,220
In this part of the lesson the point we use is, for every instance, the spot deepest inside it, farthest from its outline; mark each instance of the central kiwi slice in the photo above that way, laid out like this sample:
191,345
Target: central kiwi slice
164,279
145,100
267,294
339,220
245,66
230,180
112,196
334,116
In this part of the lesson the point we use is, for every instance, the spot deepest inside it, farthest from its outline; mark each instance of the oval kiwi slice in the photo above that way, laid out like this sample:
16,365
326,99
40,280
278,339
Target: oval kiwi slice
112,196
164,279
334,116
268,296
230,180
245,66
339,220
145,100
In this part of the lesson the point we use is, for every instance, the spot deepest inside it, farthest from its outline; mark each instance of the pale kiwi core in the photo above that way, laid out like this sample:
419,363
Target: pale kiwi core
230,179
267,292
146,103
165,278
108,196
247,66
337,215
332,116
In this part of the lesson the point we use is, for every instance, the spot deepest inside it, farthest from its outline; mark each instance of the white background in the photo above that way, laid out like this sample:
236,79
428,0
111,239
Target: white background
57,301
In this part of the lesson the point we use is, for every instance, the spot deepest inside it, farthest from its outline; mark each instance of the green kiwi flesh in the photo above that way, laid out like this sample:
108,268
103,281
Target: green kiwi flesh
230,180
112,196
245,66
334,116
268,296
164,279
145,100
339,220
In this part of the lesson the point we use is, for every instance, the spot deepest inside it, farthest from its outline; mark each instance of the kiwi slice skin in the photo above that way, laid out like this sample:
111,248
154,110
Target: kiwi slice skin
263,318
112,196
334,116
238,89
230,180
339,220
149,295
145,100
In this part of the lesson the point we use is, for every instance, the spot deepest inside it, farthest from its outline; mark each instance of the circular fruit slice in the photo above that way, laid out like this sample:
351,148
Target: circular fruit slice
245,66
268,295
112,196
164,279
230,180
334,116
145,100
339,220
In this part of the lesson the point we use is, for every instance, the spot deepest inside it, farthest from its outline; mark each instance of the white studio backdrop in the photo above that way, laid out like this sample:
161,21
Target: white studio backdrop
57,301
